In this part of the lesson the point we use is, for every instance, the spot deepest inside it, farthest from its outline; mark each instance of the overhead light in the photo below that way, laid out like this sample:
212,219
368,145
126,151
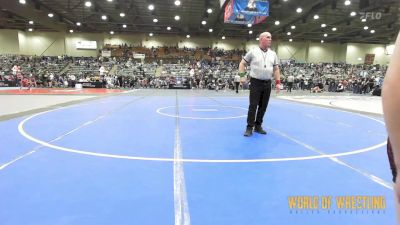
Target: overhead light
30,29
50,15
372,31
78,23
258,39
168,28
103,17
250,32
347,2
22,1
155,20
364,20
177,3
325,35
277,22
334,29
366,28
151,34
30,22
122,14
290,40
188,36
210,30
323,25
299,10
316,17
71,31
289,33
124,26
204,22
109,0
322,41
359,59
209,10
353,14
111,32
151,7
293,27
177,17
88,4
249,25
223,37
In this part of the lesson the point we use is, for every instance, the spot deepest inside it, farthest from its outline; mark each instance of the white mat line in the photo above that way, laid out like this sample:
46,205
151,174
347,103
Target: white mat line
57,138
182,216
16,159
371,177
205,110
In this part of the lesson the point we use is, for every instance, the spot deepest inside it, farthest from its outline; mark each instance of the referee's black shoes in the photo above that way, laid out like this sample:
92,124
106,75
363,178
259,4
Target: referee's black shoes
259,130
248,132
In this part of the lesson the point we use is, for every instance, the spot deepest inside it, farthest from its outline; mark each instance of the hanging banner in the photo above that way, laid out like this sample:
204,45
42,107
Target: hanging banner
86,45
252,7
229,13
259,19
106,53
242,19
139,56
238,12
369,59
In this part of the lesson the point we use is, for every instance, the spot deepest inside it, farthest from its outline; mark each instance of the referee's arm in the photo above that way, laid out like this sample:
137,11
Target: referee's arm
390,100
277,73
242,67
391,110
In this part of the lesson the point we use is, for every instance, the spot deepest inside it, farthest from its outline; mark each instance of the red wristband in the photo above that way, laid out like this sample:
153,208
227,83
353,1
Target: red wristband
277,82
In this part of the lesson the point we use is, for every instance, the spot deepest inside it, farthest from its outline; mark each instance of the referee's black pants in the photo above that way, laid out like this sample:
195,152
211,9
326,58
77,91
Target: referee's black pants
260,92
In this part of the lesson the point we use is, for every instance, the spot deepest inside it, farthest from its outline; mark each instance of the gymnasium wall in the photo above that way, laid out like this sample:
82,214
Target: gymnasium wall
324,52
356,53
292,50
9,42
229,44
48,44
71,39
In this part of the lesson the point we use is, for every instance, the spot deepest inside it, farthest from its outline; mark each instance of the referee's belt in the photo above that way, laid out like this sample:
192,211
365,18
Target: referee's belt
259,80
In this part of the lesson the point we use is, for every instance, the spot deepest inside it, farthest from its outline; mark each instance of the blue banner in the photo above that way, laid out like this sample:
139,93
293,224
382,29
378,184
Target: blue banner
252,7
251,15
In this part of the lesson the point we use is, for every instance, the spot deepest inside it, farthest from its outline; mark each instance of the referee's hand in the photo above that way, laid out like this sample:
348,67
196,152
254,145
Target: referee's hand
278,86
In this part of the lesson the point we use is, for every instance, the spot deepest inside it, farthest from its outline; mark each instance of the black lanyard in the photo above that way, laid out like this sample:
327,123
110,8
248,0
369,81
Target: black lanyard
264,57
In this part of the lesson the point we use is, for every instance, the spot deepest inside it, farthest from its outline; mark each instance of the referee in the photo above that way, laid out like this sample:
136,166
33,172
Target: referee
263,64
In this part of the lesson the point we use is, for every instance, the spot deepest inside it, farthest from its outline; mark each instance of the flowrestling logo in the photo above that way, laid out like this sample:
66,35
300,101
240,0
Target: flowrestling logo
370,15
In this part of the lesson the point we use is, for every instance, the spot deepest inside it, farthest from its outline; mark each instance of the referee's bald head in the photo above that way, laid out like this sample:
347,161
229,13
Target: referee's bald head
265,40
265,34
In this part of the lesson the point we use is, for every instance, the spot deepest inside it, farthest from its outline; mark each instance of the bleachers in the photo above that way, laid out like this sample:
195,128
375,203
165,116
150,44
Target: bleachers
175,70
130,68
30,64
88,66
175,53
206,68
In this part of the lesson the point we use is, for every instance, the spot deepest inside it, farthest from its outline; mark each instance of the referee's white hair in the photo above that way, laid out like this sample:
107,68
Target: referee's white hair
264,34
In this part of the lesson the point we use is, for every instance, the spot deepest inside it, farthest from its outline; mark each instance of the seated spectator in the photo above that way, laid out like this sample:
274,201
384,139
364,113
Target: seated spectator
316,89
340,87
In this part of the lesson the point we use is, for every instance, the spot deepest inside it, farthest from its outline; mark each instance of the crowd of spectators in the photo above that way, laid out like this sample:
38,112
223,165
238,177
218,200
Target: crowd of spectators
214,73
